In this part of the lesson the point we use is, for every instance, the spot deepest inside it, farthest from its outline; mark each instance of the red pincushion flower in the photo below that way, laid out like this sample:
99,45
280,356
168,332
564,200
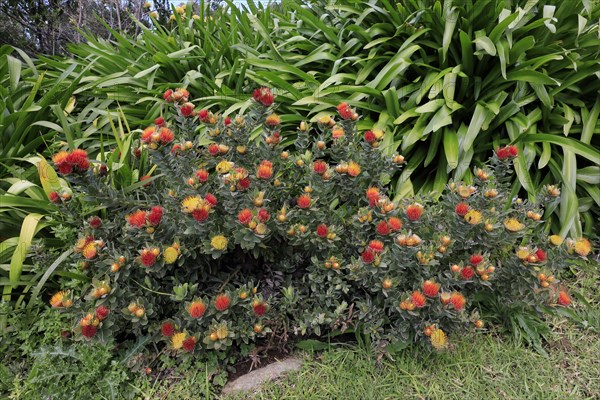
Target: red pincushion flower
202,175
160,121
376,246
227,121
54,197
259,308
414,211
263,215
222,302
503,153
166,135
168,95
155,215
467,272
102,312
79,160
244,183
147,258
563,298
395,223
137,219
320,167
189,344
88,330
203,115
167,329
383,228
418,299
462,209
176,149
213,149
344,110
304,201
476,259
187,109
322,230
211,199
457,300
370,137
200,215
245,216
431,288
368,256
263,96
95,222
197,309
541,255
513,151
265,170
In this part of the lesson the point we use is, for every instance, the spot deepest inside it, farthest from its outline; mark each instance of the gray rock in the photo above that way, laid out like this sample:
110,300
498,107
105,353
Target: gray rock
252,380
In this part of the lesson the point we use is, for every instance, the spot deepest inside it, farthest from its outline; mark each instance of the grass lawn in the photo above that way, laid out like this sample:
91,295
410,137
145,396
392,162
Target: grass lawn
478,367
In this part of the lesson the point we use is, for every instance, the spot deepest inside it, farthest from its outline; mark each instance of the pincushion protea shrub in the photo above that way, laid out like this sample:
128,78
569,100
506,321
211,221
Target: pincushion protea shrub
241,239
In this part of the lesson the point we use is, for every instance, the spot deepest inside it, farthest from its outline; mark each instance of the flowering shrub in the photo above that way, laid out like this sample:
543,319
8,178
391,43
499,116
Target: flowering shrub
248,238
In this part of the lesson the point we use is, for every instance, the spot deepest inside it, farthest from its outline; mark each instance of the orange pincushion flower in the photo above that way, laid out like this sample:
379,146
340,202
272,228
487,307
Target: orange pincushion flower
166,135
273,120
60,158
418,299
137,219
337,132
202,175
373,195
353,169
376,246
90,251
395,223
147,134
197,309
304,201
265,170
563,298
245,216
457,300
61,299
222,302
414,211
431,288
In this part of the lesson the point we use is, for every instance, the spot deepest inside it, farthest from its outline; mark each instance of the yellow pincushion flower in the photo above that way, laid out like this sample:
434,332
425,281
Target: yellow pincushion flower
473,217
438,339
513,225
224,167
556,240
178,339
219,242
170,255
191,204
523,253
583,247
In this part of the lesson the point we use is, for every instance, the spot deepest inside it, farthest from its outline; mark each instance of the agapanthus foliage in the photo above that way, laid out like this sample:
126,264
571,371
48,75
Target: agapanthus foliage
237,237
